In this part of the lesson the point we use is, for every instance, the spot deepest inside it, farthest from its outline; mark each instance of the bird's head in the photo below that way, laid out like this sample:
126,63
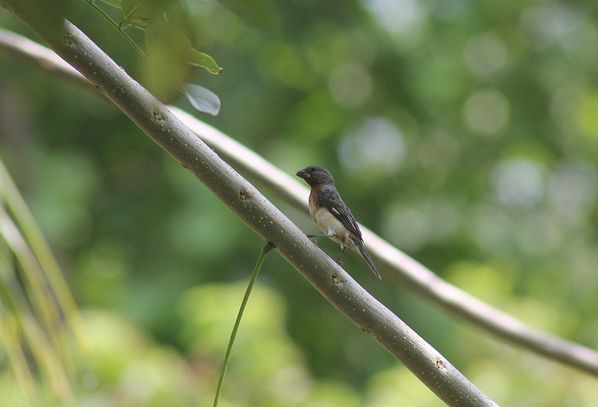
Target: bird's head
316,175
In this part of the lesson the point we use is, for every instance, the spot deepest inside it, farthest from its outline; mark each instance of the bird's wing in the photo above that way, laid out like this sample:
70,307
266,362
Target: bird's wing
330,199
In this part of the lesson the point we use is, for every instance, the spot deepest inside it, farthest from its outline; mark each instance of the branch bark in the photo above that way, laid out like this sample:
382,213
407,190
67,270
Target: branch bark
158,122
392,260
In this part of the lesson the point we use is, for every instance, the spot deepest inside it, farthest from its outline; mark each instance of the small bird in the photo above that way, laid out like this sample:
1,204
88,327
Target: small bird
330,213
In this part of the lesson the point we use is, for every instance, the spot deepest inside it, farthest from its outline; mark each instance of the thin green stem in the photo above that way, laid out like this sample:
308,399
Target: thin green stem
116,25
12,342
258,266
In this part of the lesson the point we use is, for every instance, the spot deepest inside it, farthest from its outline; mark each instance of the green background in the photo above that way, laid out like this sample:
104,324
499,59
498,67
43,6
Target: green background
465,133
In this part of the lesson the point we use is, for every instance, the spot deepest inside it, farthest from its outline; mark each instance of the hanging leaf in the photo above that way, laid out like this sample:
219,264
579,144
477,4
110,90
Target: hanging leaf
155,29
135,11
202,99
113,3
198,58
165,67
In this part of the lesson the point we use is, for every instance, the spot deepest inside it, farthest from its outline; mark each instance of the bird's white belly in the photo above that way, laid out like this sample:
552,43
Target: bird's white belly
328,224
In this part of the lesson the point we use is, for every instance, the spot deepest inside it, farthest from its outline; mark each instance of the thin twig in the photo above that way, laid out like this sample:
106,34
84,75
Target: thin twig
116,26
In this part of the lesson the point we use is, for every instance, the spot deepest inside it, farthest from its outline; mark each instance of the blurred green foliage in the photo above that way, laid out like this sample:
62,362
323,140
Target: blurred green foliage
466,133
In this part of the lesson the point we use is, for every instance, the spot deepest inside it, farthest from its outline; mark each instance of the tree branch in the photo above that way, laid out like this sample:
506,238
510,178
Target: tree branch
412,273
258,213
31,53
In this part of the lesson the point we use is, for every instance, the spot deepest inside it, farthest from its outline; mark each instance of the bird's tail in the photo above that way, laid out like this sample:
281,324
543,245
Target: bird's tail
368,259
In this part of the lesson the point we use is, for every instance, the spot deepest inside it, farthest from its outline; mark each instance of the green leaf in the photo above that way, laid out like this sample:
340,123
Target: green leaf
165,67
167,21
113,3
136,11
198,58
202,99
155,29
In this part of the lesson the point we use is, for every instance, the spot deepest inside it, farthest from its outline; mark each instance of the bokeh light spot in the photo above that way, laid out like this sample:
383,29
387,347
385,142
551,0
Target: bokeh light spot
485,55
518,182
487,112
350,84
375,145
401,18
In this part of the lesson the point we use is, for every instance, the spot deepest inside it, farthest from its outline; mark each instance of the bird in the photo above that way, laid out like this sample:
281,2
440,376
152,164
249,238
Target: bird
332,215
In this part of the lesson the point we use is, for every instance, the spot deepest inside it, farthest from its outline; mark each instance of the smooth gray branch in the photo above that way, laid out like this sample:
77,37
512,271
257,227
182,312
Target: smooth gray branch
392,260
159,123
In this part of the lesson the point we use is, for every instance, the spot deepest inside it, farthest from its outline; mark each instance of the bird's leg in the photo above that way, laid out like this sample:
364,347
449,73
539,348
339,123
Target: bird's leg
314,238
338,259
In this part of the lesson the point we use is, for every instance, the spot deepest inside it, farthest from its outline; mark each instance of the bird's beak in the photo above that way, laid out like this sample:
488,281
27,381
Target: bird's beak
302,174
